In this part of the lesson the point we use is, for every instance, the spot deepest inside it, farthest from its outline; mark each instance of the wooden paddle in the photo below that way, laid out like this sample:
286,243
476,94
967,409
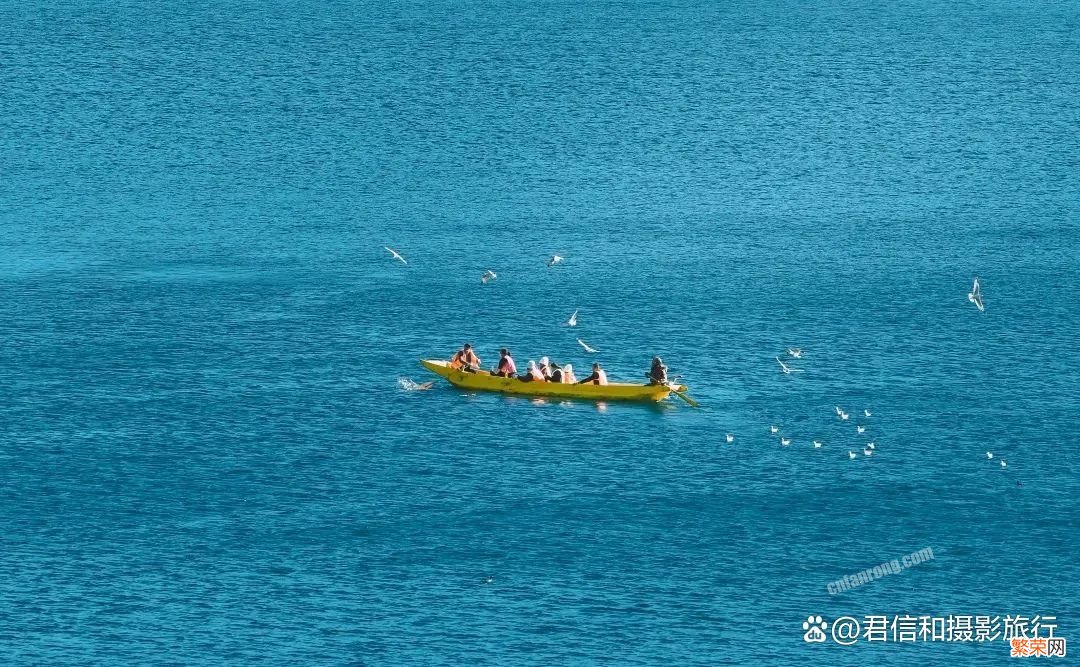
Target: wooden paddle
683,396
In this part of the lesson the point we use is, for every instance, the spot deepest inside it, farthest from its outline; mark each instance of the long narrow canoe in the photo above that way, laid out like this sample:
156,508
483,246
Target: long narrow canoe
614,391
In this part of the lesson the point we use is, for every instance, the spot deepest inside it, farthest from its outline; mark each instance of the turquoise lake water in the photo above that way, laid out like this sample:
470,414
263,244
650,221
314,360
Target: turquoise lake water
205,455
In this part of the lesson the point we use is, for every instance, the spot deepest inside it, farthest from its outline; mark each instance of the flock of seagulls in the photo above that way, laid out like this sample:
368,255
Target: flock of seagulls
860,429
842,415
488,275
974,296
794,353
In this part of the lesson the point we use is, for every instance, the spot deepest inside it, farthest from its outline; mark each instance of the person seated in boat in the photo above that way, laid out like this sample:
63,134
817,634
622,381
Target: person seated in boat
506,367
598,376
568,374
531,374
556,374
658,373
465,359
545,368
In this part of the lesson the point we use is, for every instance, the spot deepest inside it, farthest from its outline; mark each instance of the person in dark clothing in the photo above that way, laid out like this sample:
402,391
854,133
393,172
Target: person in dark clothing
658,373
556,373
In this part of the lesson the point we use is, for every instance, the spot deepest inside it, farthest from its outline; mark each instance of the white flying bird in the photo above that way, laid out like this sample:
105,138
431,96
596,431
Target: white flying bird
795,352
975,295
774,429
817,445
555,259
871,445
488,276
396,254
590,350
729,437
860,429
785,441
572,322
784,367
838,410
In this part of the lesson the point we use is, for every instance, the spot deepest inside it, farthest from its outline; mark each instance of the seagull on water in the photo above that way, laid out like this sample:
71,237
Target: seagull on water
975,295
488,276
796,353
989,455
852,455
860,429
785,441
867,413
871,445
555,259
396,254
729,437
572,322
590,350
844,415
837,409
867,452
817,445
774,429
1003,464
784,367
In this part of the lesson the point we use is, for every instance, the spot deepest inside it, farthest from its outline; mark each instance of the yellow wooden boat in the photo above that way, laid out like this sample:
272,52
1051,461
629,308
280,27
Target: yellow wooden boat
613,391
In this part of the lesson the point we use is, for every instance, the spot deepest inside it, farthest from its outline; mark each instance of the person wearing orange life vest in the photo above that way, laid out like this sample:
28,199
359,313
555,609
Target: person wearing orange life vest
465,359
598,376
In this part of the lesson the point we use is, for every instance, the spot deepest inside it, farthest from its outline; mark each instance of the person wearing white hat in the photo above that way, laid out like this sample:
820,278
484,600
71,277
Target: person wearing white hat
545,367
531,374
568,376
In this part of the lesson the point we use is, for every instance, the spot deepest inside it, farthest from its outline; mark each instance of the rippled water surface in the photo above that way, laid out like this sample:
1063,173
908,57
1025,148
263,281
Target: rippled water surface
205,453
